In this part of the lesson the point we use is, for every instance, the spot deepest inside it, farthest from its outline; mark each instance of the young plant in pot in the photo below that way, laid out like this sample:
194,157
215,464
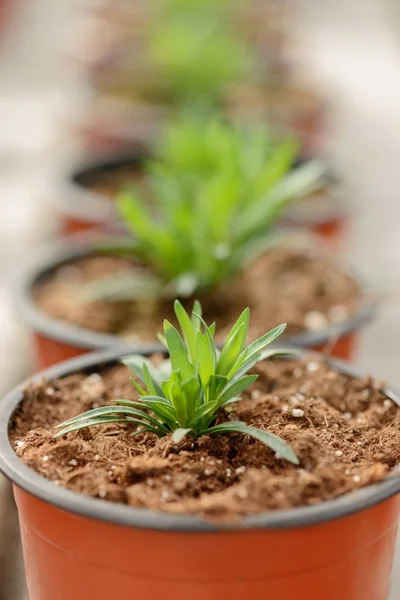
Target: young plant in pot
195,53
193,60
238,472
209,235
188,148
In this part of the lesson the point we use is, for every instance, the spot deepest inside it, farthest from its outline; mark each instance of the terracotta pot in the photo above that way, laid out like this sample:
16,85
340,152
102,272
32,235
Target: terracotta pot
82,209
85,548
55,340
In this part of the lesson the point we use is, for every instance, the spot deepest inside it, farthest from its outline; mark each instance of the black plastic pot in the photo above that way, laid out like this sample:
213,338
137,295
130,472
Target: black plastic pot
80,547
82,209
55,340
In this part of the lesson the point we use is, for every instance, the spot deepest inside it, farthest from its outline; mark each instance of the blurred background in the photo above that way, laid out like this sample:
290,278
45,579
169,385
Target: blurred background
74,80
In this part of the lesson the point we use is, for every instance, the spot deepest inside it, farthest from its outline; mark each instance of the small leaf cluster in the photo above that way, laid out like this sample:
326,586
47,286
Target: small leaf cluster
217,191
185,397
196,52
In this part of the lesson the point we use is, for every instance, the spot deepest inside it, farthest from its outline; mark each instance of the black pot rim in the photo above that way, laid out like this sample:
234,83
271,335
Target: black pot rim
75,201
94,508
76,246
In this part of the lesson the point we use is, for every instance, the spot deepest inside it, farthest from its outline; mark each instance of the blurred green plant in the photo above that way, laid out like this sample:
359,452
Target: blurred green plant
196,52
216,193
185,396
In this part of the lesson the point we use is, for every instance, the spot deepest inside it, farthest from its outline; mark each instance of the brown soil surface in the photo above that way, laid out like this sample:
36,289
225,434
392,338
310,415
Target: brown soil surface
307,291
110,182
345,431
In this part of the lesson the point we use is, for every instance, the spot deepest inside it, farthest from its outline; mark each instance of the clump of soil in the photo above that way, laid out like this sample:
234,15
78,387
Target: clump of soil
307,291
345,432
110,181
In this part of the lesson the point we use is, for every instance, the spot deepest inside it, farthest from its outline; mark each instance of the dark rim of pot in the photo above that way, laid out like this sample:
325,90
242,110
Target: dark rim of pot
94,508
76,201
77,246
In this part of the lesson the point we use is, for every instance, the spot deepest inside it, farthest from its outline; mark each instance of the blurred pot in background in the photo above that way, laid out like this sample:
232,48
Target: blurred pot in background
50,300
112,124
325,212
85,193
209,232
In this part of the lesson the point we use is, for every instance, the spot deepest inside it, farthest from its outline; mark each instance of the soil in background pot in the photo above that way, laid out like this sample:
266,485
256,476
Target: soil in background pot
110,180
345,431
307,291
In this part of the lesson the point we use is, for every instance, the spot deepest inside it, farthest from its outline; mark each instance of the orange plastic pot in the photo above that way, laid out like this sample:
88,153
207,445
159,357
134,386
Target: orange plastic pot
50,352
82,209
85,548
330,229
55,340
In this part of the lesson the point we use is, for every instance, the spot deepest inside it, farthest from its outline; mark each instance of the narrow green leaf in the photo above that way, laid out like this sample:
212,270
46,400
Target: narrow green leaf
216,384
236,387
207,409
135,363
209,337
103,420
231,351
188,329
178,354
172,389
150,383
83,424
231,401
266,339
179,434
268,207
132,209
162,339
148,399
206,360
242,320
253,360
196,313
163,410
193,392
277,165
113,410
139,388
281,448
